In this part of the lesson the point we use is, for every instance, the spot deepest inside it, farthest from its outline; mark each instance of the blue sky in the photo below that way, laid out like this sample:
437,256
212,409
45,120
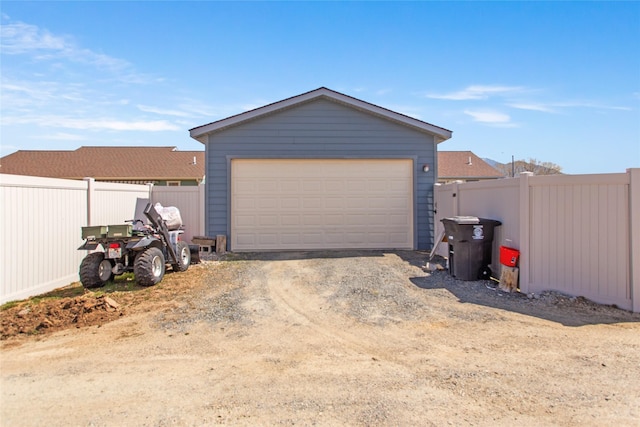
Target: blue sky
555,81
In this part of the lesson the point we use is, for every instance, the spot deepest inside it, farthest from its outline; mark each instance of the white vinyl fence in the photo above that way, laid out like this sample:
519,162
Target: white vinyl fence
578,234
41,220
190,201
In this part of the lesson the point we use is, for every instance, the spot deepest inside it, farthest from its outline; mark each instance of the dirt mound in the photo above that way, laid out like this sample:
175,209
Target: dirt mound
53,315
73,306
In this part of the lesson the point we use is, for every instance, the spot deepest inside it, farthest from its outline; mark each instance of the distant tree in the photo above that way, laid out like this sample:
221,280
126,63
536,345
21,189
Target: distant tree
532,165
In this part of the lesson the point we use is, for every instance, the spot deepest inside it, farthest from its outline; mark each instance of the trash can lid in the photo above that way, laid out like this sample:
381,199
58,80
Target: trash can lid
463,219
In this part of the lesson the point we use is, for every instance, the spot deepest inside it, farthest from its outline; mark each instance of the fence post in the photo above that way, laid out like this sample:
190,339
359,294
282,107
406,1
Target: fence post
634,240
201,209
90,199
150,185
525,211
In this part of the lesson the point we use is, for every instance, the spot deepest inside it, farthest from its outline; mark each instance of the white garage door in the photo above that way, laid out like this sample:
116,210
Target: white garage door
281,204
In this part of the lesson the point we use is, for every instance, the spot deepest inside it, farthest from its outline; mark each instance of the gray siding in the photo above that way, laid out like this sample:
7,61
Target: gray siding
319,129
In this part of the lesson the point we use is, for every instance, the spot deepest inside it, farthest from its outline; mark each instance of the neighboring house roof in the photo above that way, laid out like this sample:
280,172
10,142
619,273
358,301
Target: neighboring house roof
464,165
167,163
200,133
108,163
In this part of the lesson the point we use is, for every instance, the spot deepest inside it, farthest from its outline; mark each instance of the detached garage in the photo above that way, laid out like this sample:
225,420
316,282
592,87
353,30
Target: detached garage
321,170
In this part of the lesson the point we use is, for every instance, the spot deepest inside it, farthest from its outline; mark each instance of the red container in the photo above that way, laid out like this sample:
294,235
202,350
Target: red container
509,256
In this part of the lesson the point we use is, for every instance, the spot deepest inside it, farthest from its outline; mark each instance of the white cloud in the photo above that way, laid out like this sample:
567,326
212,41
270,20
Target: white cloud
119,125
91,124
553,107
161,111
532,107
477,92
588,104
19,38
492,118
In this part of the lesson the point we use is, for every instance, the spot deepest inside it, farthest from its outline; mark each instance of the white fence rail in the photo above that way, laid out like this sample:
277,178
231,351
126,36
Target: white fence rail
576,234
41,220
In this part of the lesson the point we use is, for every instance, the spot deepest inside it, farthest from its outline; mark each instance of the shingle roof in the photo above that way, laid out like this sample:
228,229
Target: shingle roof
114,163
200,132
464,165
167,163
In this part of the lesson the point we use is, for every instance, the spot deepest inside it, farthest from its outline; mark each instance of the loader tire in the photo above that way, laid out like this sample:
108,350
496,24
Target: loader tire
149,267
95,271
184,257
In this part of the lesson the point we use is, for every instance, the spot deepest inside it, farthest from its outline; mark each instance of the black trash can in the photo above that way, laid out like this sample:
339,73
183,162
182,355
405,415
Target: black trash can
470,245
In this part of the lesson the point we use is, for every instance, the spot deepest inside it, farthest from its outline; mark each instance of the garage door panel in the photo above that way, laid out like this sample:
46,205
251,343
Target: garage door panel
396,185
289,203
359,186
264,203
334,203
356,202
312,203
334,186
312,186
290,220
245,203
289,186
397,218
244,239
380,238
245,186
246,221
312,239
334,219
268,186
268,220
290,239
321,204
313,220
398,237
268,239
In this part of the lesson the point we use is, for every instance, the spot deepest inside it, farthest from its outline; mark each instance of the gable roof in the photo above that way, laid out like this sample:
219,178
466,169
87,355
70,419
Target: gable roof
464,165
200,132
107,163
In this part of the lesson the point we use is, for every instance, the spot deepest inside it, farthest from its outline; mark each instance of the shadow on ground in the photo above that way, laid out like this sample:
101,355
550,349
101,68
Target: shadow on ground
549,305
300,255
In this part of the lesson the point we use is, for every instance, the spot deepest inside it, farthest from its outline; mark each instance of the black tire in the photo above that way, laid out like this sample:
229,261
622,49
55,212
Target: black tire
95,271
485,273
149,267
184,257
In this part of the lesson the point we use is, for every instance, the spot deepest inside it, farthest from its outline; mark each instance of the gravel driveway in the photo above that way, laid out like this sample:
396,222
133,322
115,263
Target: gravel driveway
332,338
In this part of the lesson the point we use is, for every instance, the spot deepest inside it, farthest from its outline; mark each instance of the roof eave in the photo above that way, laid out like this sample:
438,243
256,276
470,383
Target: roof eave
201,133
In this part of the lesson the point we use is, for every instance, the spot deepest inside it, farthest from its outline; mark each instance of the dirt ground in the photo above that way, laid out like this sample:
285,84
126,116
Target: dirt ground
335,338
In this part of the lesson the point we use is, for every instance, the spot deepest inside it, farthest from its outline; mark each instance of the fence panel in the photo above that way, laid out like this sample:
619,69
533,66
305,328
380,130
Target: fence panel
114,203
39,234
579,238
190,201
40,228
576,234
